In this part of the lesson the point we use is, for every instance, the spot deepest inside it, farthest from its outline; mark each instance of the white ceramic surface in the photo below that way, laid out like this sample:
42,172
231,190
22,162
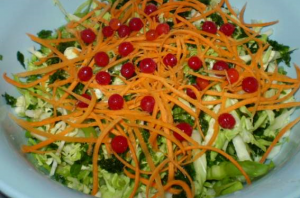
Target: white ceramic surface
19,179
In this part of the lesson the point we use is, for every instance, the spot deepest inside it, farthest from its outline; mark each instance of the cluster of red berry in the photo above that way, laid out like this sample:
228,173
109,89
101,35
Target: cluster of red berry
148,65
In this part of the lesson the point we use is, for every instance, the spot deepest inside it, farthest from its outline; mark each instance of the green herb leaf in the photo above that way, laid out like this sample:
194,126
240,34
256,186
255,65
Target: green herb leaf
58,75
33,78
10,100
78,88
180,115
63,46
203,123
112,165
1,57
21,58
206,2
217,19
284,51
43,34
180,176
122,2
52,61
75,169
145,134
282,71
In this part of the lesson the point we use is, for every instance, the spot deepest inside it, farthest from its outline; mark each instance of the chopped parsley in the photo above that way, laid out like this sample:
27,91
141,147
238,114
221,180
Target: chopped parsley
75,169
180,115
10,100
21,58
44,34
206,2
112,165
58,75
63,46
217,19
284,51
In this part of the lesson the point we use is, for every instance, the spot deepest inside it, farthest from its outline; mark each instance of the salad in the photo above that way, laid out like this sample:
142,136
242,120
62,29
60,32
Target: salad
155,99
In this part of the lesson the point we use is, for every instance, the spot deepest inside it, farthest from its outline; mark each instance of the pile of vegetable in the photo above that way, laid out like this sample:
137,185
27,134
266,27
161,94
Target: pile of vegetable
155,99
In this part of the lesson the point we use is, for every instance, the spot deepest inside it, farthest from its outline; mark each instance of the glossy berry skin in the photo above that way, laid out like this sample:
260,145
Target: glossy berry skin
103,78
85,73
210,27
250,84
226,121
123,31
127,70
220,66
233,75
88,36
170,60
119,144
227,29
115,23
107,31
147,66
125,48
81,104
202,83
186,128
194,63
150,8
151,35
147,104
101,59
115,102
191,93
136,24
162,28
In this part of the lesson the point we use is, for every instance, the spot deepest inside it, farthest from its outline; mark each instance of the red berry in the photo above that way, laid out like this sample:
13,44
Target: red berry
107,31
186,128
81,104
150,8
202,83
103,78
147,104
136,24
88,36
210,27
220,66
115,23
233,75
119,144
128,70
151,35
194,63
123,31
115,102
191,93
101,59
226,121
148,66
125,48
227,29
250,84
162,28
85,73
170,60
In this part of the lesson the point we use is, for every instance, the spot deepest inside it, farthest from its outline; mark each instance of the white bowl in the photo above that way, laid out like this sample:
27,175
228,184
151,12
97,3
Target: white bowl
19,179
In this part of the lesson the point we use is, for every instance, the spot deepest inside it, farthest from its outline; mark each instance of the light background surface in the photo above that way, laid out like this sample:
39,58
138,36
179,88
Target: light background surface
19,179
